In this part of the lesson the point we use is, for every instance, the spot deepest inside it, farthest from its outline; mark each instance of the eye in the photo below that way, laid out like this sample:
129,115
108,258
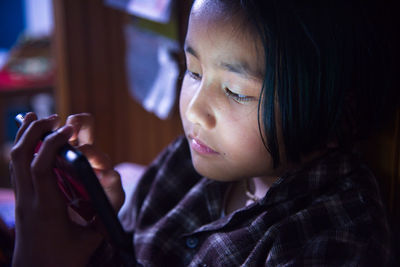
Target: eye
193,75
238,97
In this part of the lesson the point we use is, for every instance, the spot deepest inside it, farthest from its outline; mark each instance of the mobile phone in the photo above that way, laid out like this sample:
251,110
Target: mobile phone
83,192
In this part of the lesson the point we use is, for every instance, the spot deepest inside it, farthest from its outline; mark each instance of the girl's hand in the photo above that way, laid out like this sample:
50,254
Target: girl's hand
45,235
82,139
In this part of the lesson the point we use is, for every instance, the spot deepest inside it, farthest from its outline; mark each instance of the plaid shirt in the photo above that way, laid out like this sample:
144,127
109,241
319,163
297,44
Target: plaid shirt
328,213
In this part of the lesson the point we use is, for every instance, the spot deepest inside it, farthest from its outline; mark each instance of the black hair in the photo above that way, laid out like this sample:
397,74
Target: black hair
328,70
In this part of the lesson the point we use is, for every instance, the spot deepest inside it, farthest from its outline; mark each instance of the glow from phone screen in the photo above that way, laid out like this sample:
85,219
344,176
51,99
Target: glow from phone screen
71,155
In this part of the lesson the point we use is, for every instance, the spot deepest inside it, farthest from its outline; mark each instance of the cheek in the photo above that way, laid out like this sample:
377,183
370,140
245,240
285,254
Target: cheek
184,99
247,143
243,142
245,156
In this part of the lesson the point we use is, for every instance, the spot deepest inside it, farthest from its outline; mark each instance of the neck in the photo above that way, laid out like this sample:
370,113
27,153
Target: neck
259,186
237,198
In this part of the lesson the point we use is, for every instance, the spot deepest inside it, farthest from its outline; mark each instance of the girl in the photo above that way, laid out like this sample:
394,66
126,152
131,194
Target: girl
274,96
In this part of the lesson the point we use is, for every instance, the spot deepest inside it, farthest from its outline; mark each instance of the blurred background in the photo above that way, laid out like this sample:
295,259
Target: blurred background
119,60
26,67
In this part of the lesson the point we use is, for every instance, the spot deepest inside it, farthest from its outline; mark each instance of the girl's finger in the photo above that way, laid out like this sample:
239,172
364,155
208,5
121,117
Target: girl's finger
44,180
32,130
110,180
29,117
83,125
24,150
97,159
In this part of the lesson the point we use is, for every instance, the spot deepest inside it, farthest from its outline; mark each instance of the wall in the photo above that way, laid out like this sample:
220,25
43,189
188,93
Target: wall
89,48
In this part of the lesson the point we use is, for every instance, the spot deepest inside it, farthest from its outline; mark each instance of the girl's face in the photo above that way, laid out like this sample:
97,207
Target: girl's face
220,94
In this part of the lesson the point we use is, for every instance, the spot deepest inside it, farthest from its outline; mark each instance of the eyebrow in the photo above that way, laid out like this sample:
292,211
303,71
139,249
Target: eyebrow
240,67
190,50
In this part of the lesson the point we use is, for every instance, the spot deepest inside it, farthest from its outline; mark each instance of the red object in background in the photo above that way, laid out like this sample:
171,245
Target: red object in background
12,80
30,65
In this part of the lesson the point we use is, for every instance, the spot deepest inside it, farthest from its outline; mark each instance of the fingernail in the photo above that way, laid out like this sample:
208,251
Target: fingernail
52,117
29,116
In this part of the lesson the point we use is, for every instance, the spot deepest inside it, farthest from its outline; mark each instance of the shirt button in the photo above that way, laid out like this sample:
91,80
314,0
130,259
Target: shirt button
192,242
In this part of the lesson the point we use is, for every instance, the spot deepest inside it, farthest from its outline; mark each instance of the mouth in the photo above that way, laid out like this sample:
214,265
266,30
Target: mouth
200,147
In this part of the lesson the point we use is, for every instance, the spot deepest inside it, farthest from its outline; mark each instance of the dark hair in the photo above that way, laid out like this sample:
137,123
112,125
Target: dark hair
327,65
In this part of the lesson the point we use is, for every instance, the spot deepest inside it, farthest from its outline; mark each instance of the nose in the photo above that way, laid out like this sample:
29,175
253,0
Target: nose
200,108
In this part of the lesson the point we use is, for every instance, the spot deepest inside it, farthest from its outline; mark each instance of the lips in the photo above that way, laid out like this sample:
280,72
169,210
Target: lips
200,147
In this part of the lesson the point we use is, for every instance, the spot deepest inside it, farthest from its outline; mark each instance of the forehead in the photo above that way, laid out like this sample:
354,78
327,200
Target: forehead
213,15
218,33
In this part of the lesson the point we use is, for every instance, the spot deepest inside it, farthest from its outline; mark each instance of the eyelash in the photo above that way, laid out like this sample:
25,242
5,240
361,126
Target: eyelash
194,75
236,97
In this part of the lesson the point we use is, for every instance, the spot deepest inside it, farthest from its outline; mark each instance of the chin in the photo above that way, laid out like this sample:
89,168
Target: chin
217,174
